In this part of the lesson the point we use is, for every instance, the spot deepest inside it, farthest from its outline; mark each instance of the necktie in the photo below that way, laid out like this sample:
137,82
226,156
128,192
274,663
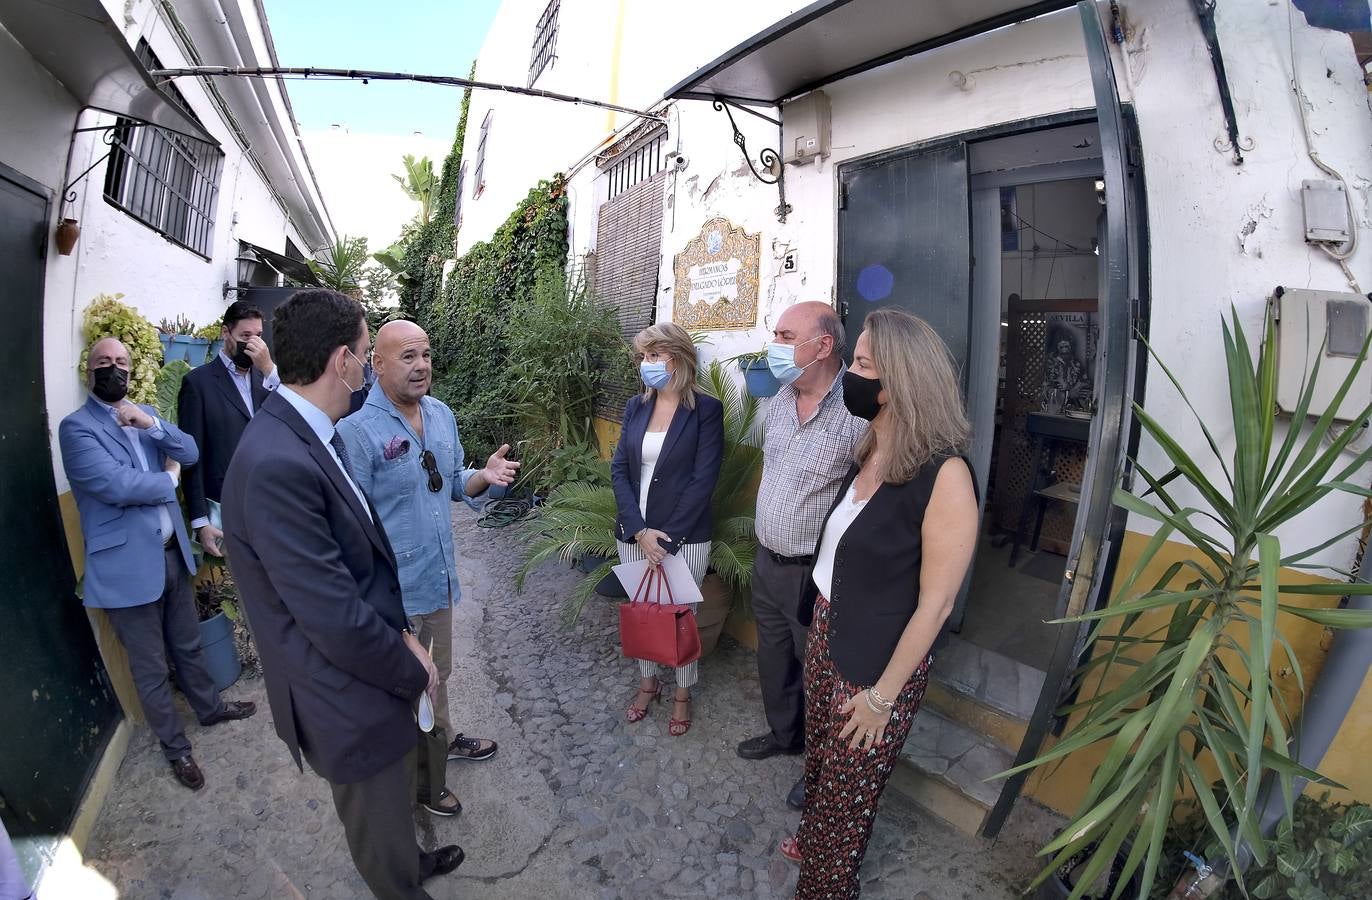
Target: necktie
336,442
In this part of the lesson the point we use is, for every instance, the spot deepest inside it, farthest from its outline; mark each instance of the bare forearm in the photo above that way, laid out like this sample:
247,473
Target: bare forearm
476,484
914,645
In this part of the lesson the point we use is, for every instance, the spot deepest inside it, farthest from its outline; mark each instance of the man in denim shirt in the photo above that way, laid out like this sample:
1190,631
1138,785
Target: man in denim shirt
405,454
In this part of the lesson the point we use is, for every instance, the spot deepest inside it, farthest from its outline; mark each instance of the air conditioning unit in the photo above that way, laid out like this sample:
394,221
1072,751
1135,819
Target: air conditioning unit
1332,327
805,128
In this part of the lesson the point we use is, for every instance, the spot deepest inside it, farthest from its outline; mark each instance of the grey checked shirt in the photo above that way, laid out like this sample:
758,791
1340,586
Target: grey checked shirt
802,465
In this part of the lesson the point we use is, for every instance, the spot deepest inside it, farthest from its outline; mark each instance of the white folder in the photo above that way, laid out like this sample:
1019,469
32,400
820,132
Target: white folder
683,585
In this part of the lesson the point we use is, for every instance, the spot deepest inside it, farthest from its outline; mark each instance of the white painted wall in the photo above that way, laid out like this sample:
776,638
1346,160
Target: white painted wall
1048,269
116,253
1218,233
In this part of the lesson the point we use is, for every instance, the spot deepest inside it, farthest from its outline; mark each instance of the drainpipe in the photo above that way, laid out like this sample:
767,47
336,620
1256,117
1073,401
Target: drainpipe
1330,699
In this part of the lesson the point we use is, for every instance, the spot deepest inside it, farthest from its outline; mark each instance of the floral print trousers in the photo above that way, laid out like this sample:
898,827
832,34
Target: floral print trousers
842,786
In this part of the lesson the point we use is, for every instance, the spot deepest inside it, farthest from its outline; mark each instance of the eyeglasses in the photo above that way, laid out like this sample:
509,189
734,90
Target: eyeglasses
430,464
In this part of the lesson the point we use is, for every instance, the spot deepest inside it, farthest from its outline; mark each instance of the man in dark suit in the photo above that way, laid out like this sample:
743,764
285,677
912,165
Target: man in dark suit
319,583
124,463
216,402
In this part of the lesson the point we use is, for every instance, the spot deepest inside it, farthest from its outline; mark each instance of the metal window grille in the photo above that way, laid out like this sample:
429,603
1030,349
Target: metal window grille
167,181
637,165
479,176
545,42
457,207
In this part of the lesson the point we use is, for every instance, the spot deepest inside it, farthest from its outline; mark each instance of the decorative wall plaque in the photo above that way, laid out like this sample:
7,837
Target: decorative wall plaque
716,278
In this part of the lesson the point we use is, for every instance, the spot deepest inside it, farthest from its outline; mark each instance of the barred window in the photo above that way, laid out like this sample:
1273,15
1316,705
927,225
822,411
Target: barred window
638,164
479,176
166,180
545,42
457,207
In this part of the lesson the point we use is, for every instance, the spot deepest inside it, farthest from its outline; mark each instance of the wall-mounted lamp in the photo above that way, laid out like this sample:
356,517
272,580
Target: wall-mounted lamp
247,270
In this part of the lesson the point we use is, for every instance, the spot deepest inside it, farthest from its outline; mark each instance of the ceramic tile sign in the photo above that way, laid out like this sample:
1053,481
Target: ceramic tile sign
716,278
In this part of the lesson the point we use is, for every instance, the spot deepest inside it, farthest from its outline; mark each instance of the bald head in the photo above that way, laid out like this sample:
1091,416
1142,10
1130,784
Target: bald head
814,329
403,362
108,351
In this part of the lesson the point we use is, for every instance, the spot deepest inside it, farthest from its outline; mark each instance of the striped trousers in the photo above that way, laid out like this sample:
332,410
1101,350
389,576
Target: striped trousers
697,557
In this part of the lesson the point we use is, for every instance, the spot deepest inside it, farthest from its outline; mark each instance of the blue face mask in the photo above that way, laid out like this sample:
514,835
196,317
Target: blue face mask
781,359
654,374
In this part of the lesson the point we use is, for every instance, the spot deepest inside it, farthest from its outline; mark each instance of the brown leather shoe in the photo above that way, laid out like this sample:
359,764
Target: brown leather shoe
234,709
188,773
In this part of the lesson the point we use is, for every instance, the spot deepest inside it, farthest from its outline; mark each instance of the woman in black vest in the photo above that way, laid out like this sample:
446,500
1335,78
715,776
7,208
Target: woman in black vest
892,555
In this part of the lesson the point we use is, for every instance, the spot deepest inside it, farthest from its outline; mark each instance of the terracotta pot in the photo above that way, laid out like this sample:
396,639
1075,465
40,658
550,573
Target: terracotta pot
67,233
712,612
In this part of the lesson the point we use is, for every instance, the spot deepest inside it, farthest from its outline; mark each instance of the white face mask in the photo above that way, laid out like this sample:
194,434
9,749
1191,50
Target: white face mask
351,389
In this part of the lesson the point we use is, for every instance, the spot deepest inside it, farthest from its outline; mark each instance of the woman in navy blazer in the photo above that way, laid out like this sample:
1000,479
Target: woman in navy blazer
664,472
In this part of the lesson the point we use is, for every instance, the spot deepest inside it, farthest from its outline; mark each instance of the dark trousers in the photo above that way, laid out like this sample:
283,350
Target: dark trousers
780,646
378,819
150,634
432,765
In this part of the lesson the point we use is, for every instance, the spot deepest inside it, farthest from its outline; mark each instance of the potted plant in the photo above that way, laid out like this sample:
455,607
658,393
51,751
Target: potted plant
168,391
211,333
180,342
1167,686
108,317
578,519
757,375
216,603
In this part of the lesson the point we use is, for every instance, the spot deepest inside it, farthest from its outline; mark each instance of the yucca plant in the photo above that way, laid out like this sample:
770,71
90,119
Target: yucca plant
579,519
1194,707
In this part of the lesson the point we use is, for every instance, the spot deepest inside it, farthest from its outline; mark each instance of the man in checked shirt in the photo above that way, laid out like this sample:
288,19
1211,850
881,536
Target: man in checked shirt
810,439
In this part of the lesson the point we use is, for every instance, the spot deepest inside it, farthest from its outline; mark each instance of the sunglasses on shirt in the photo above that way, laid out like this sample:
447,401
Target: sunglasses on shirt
430,464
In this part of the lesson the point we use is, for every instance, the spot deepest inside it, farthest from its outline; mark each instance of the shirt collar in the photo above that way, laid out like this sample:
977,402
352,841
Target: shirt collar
109,408
229,364
316,418
835,388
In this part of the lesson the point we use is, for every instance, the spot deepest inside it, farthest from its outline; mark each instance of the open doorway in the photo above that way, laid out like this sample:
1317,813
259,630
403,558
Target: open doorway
1045,255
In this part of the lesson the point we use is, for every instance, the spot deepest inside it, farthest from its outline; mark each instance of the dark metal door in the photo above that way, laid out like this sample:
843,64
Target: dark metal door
904,239
56,706
1100,524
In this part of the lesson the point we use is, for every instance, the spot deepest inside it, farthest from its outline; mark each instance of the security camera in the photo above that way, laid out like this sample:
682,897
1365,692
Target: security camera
677,161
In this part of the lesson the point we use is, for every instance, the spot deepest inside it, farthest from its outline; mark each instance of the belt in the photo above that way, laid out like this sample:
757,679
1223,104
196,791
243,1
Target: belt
790,560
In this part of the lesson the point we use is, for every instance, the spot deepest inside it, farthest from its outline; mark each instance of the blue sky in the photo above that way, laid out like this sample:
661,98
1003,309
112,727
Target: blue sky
430,37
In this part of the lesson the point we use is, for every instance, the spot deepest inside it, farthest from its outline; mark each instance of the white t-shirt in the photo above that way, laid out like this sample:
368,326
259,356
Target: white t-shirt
652,449
843,515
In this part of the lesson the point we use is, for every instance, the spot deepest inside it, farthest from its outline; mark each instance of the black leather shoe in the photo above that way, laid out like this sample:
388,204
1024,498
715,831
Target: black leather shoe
765,745
440,862
230,711
796,799
188,773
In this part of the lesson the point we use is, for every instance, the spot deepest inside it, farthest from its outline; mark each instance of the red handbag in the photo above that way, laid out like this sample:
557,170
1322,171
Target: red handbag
656,631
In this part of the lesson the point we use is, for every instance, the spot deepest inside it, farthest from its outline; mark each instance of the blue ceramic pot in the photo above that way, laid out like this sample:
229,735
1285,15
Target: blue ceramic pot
758,378
219,651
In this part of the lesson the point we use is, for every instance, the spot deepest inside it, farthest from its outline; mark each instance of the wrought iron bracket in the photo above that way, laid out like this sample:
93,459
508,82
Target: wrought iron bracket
1205,11
767,157
107,138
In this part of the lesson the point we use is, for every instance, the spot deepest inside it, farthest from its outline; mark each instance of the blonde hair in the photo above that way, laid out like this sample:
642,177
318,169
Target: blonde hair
672,339
924,410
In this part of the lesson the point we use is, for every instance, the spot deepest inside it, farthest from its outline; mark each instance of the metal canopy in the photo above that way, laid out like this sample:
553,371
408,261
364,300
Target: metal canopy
294,269
832,39
81,46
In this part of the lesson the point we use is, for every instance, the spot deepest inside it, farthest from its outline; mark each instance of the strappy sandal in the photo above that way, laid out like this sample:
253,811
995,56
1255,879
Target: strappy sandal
791,850
639,713
678,727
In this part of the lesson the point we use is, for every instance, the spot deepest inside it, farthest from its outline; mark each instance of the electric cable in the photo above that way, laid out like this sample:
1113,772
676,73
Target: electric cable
506,511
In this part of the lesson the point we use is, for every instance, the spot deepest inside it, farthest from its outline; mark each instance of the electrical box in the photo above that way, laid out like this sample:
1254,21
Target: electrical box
1326,212
805,128
1333,327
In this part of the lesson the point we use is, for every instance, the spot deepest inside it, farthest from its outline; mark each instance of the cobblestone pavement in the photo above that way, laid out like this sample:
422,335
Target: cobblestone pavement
577,804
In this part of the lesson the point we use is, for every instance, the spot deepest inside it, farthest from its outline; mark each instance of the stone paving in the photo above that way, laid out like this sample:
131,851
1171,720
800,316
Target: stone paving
577,804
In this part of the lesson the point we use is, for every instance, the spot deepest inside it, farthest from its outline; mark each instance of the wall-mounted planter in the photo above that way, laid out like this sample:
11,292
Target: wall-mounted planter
758,378
220,652
67,233
193,350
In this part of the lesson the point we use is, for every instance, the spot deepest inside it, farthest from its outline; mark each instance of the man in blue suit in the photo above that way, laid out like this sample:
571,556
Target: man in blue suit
124,464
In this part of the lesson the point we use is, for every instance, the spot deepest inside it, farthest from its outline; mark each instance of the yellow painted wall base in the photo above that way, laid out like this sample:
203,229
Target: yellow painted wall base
606,435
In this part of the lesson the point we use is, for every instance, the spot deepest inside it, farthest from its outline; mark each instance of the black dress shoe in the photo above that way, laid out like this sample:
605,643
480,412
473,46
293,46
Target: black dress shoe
440,862
234,709
796,799
765,745
188,773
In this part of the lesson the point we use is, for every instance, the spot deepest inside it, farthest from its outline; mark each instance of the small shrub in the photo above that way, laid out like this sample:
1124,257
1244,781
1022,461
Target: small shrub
107,317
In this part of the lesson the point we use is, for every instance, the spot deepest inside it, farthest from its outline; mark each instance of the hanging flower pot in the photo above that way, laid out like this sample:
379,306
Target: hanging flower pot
759,378
67,233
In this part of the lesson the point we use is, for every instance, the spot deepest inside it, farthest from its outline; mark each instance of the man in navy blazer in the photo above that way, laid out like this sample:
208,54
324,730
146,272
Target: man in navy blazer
319,583
123,463
216,402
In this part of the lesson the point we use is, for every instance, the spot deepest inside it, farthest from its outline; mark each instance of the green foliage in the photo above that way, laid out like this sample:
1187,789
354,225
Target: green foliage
342,270
562,348
180,325
169,388
418,183
578,519
1324,852
216,593
577,462
211,331
470,325
107,317
1189,690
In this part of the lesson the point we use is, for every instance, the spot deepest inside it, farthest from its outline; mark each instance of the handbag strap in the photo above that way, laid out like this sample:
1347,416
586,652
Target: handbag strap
645,581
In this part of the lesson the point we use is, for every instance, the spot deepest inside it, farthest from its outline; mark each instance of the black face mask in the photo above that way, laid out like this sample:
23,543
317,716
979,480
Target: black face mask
240,357
110,383
860,395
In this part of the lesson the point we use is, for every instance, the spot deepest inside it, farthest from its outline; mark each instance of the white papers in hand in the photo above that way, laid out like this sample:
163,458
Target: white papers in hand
683,586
